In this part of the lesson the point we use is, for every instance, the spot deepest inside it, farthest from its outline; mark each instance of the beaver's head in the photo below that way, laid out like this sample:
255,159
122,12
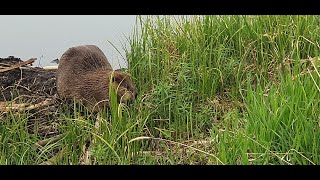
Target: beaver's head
126,89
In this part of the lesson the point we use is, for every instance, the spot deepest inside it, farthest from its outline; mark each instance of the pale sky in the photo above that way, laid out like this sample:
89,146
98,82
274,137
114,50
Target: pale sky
47,37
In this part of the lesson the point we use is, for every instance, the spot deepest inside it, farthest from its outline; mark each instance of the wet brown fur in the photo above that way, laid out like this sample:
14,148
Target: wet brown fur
84,74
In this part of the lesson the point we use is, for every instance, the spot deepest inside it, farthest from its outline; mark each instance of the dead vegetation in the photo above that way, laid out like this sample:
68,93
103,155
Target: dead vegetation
31,90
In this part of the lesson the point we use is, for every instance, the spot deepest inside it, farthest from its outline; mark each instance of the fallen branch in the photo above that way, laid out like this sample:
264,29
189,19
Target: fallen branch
46,102
50,67
4,64
18,65
24,106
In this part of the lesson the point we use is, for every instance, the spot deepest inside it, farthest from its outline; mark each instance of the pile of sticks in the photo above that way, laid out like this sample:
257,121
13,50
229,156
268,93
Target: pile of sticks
25,89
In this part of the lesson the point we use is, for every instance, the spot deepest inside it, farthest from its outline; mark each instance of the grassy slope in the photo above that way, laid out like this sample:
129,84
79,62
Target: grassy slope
212,90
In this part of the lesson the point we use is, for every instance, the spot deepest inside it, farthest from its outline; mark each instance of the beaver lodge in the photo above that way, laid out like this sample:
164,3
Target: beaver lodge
29,89
31,92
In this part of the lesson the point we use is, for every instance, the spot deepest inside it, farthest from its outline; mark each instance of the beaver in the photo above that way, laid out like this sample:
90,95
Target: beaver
84,73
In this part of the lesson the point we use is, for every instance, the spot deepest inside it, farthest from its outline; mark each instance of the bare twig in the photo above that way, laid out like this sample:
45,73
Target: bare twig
4,64
18,65
50,67
24,106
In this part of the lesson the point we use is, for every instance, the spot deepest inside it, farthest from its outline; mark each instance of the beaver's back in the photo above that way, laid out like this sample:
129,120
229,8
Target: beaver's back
82,59
76,63
84,73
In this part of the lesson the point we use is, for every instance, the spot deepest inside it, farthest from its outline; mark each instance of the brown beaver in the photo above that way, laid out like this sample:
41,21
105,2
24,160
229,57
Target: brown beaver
84,74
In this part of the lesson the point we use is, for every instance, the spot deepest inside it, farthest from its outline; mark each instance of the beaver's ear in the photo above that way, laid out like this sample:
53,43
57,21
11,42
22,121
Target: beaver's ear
118,77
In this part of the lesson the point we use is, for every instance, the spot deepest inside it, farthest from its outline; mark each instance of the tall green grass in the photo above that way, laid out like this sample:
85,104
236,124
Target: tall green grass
212,90
189,63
